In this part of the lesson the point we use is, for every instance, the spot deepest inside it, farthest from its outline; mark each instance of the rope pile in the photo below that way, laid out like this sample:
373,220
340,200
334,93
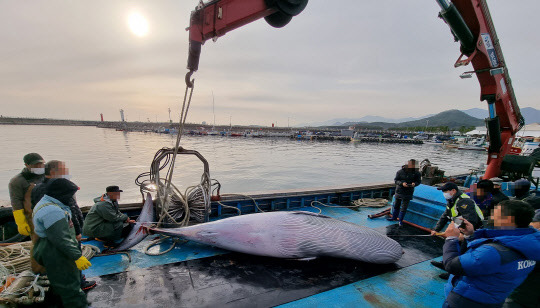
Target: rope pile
375,202
16,257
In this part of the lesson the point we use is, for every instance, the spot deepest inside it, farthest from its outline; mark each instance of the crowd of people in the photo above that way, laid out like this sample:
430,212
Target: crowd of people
45,208
489,256
492,241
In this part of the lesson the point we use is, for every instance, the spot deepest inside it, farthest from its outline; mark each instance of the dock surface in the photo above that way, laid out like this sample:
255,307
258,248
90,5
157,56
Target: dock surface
195,275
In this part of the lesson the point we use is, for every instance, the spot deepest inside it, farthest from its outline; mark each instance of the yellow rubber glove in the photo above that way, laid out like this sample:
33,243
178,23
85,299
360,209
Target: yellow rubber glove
82,263
22,224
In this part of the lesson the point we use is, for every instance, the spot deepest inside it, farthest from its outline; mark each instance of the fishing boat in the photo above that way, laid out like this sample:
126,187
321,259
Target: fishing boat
187,274
168,272
476,144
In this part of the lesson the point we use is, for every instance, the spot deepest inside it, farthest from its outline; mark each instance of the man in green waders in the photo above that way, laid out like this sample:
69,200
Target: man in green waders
104,221
57,248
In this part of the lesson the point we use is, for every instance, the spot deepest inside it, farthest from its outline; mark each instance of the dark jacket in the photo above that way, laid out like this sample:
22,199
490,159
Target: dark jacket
498,197
464,206
527,294
486,204
76,215
533,200
496,262
406,175
18,186
104,220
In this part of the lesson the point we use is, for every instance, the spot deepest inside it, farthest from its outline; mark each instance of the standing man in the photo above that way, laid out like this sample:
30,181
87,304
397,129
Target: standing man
407,178
498,195
104,220
458,204
56,169
496,261
18,186
57,248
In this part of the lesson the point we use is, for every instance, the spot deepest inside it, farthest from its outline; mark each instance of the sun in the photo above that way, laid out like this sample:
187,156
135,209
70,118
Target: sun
138,24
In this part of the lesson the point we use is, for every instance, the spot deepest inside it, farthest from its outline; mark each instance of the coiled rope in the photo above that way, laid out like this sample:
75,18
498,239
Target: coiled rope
16,257
376,202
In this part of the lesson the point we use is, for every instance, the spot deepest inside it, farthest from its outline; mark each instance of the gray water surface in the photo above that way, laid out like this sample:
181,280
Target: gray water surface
99,157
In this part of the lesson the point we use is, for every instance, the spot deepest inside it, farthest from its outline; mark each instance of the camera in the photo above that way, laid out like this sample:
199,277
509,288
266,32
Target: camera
459,221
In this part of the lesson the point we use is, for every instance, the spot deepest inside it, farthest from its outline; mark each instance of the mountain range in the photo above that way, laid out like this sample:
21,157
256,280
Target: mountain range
530,114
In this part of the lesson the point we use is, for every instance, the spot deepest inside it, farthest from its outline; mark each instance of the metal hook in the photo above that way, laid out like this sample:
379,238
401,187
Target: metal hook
189,83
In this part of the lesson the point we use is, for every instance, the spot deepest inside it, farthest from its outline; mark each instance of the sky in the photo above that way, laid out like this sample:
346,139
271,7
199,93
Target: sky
347,58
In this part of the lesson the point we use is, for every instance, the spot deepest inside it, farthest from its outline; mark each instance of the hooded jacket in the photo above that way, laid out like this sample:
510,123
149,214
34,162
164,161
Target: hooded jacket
76,215
104,220
495,263
409,176
52,223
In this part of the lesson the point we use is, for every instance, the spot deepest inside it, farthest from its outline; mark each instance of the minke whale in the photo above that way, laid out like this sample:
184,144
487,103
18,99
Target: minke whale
135,236
295,235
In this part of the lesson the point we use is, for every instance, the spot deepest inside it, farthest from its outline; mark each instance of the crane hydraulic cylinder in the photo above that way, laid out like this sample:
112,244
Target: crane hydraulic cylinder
459,28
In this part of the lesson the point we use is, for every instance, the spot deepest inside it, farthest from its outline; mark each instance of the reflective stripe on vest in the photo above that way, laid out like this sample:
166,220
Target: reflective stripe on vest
455,213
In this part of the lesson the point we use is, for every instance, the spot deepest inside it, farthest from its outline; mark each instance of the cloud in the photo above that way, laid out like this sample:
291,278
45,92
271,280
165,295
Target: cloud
78,59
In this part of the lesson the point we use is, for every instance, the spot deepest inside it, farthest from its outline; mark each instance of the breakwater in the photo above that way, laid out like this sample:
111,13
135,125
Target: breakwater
136,126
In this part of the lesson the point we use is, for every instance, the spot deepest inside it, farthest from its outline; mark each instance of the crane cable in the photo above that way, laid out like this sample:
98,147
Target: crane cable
163,196
183,115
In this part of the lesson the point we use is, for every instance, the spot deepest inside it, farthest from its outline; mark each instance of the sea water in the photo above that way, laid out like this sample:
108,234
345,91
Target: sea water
99,157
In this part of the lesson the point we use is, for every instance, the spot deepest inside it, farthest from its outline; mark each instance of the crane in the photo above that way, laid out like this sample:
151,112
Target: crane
469,21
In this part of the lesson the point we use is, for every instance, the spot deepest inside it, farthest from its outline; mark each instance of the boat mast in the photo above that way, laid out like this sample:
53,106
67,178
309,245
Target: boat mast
213,111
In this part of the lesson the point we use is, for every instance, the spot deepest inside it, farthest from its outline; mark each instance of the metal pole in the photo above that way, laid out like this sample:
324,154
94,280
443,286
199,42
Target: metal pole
443,4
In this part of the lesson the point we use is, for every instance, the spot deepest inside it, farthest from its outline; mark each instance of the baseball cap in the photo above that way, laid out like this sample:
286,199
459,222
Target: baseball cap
33,158
448,186
522,183
113,189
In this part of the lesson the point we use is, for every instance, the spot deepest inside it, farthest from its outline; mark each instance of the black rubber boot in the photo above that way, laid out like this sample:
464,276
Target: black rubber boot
444,276
401,216
438,264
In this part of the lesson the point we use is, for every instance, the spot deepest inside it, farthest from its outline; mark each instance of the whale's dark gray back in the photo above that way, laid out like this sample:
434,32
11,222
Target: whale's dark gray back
312,235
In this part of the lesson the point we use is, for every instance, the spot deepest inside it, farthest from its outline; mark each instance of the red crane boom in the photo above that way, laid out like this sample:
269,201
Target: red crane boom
469,21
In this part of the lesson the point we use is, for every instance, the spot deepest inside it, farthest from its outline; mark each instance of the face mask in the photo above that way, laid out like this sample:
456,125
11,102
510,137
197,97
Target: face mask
447,195
37,170
66,176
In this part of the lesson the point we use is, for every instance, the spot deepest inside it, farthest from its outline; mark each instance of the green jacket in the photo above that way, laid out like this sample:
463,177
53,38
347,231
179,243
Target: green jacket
104,220
57,249
52,221
18,186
